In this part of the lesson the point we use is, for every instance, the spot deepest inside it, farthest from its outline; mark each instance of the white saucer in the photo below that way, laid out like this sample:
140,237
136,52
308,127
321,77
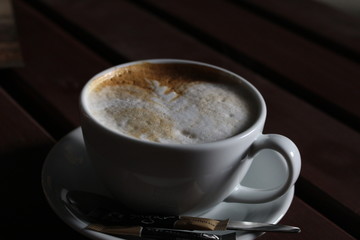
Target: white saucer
67,168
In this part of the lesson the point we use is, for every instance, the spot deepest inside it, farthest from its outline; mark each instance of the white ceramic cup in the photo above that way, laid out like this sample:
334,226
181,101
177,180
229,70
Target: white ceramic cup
150,177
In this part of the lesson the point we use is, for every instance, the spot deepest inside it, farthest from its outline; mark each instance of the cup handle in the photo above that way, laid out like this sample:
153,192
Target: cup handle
289,151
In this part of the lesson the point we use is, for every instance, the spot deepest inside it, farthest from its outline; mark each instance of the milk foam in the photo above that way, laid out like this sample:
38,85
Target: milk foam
205,112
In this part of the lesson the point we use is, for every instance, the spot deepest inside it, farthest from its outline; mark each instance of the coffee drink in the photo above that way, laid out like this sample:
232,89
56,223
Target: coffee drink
171,103
177,137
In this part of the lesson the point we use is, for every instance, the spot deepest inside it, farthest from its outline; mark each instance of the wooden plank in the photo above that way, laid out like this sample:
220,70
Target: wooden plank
61,80
316,20
287,57
330,149
24,145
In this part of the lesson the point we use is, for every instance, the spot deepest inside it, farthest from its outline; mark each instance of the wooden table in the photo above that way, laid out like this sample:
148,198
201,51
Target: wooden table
302,55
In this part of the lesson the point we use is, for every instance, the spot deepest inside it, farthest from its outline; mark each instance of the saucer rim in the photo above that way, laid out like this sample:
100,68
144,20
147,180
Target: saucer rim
65,214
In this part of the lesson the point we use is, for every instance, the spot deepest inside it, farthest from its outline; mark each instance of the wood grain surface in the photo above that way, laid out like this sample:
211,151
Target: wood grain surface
329,160
305,85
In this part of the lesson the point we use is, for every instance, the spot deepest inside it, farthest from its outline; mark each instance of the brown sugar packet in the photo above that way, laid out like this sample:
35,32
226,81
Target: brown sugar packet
194,223
99,209
158,233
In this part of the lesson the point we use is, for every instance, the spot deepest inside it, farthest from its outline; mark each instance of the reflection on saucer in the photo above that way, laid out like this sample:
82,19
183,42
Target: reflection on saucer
67,169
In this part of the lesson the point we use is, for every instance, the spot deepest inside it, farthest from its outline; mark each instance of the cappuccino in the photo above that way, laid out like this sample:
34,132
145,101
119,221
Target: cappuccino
171,103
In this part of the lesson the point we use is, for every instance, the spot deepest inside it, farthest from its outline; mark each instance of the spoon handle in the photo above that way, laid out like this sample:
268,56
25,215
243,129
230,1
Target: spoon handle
261,227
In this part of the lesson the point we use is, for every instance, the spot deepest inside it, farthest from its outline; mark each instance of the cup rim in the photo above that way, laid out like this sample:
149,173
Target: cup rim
248,131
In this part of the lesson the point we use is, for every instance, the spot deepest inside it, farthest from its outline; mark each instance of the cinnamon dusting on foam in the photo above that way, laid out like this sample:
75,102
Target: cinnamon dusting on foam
174,103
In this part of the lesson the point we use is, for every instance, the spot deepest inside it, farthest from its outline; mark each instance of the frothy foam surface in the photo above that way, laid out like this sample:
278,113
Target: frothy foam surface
195,111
